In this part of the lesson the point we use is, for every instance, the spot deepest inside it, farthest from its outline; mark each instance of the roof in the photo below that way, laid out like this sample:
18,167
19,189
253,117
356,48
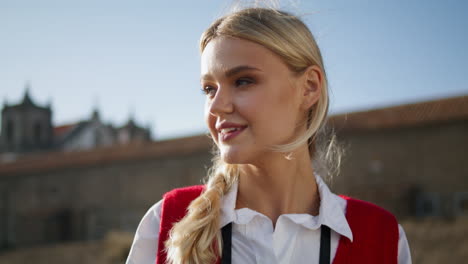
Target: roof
416,114
26,103
59,131
430,112
71,132
100,156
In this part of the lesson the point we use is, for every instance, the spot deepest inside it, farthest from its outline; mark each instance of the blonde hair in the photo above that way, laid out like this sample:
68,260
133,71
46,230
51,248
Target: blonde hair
196,238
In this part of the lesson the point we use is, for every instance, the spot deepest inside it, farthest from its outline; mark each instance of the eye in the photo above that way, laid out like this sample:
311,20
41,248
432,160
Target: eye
208,90
243,81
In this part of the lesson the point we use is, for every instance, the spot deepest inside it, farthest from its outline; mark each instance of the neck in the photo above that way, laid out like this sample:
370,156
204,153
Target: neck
279,186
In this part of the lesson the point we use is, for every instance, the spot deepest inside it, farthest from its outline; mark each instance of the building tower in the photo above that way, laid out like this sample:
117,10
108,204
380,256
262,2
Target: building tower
26,127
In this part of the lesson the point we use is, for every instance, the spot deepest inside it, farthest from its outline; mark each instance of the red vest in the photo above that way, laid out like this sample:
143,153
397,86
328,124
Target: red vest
375,230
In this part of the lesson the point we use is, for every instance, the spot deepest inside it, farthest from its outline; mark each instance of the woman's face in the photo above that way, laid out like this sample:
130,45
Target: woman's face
252,100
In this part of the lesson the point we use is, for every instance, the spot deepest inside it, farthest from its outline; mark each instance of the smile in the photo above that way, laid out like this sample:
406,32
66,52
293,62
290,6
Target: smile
231,132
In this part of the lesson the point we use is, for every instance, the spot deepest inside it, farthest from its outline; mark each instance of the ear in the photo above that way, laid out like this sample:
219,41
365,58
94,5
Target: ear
311,82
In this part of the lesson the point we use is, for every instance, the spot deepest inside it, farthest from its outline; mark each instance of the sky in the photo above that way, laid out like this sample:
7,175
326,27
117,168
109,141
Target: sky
140,58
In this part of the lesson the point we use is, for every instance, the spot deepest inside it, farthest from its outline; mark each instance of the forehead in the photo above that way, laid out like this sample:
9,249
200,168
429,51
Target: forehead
224,53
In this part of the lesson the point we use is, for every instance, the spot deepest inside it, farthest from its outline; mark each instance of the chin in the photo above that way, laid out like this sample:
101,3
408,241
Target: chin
233,156
230,159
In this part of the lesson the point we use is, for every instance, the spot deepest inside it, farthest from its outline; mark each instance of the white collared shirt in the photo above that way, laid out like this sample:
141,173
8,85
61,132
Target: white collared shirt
254,240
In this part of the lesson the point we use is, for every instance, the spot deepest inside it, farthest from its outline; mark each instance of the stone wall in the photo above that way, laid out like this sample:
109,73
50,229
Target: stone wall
411,169
398,167
86,202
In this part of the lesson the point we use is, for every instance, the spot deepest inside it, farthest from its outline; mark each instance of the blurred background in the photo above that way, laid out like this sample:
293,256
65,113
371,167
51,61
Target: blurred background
102,113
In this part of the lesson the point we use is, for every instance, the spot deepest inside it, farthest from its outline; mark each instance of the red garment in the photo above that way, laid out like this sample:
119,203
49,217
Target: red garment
375,230
173,209
375,235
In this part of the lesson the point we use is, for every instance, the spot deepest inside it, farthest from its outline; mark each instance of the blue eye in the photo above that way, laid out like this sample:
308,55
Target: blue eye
243,81
208,90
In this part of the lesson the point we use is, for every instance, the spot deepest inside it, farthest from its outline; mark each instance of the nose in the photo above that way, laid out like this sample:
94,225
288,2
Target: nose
221,103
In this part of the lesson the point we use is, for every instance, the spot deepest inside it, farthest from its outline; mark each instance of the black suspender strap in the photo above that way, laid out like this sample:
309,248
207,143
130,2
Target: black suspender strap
226,232
324,245
324,257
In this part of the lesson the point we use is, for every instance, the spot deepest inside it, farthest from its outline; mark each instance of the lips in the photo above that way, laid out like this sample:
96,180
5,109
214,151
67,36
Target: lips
227,135
229,130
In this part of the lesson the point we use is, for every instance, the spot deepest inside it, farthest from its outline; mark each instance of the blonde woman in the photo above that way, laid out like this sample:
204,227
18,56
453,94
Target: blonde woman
266,102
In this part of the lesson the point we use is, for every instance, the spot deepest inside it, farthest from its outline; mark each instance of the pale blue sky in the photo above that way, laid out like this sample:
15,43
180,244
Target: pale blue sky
141,57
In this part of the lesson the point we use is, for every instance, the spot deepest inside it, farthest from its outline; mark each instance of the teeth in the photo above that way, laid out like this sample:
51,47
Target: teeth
227,130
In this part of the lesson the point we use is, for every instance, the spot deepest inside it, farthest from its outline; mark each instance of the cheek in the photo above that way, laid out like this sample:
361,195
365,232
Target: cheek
276,118
210,120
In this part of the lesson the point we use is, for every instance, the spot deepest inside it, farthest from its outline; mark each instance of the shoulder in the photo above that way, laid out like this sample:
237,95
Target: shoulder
364,209
176,201
370,222
146,237
188,191
150,221
158,220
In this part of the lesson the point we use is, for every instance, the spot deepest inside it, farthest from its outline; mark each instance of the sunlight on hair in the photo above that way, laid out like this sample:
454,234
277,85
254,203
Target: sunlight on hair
197,237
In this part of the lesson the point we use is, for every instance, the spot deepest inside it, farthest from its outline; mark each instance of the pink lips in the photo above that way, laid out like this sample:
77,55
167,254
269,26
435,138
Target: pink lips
231,134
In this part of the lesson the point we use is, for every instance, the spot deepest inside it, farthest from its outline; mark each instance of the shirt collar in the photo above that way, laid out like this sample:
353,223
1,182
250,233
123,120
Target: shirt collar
331,213
228,205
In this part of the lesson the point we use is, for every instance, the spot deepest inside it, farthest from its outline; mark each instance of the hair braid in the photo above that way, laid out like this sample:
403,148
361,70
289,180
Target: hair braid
197,238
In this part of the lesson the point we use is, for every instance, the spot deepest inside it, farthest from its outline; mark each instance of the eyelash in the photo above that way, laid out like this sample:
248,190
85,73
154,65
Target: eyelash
206,90
248,80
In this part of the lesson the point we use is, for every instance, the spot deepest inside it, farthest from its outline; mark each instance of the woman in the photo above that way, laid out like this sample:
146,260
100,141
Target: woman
266,102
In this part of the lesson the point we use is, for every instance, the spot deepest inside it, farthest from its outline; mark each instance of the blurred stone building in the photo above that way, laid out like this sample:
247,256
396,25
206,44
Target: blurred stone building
410,159
28,128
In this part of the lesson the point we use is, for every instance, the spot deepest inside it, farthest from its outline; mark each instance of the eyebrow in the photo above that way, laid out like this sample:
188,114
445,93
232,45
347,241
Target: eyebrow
233,71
